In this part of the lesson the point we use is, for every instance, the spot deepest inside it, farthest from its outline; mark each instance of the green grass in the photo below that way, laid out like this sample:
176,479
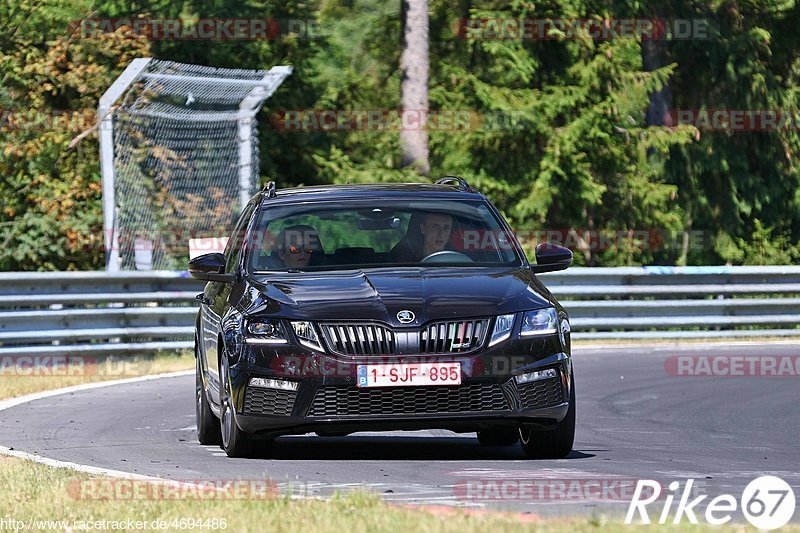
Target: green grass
15,382
33,491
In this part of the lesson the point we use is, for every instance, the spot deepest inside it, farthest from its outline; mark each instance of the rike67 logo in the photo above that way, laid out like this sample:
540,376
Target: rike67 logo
767,502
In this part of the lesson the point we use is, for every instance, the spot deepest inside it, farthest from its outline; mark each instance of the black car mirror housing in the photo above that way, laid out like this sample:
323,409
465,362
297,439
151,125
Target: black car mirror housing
551,258
210,267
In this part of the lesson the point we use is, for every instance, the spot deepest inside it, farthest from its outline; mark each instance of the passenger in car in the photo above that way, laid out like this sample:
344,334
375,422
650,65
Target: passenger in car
295,247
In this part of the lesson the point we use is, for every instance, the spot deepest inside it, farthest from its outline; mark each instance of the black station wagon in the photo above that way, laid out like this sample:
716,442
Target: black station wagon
351,308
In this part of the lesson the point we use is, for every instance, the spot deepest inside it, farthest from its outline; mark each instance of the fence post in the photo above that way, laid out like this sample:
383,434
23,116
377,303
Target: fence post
105,114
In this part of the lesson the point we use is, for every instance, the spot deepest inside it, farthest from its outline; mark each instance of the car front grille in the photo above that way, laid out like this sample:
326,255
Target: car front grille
446,337
544,393
453,337
359,339
258,401
354,401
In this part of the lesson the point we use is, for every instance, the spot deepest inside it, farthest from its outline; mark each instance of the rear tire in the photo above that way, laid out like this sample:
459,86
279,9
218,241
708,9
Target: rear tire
235,442
553,443
499,436
207,424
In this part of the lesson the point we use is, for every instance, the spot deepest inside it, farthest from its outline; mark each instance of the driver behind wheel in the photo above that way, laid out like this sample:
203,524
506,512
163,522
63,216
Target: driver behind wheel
428,233
435,229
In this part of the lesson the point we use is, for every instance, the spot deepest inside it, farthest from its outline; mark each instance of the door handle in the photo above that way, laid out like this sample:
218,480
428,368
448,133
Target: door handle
203,299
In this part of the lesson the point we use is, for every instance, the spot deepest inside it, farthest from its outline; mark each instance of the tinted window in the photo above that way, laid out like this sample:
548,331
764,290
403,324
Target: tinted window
234,247
335,235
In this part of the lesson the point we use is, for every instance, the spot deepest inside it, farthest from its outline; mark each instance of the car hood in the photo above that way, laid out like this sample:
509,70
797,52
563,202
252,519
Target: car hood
379,294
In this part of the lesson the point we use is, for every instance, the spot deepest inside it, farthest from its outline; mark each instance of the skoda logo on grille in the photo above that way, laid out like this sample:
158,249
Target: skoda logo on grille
405,316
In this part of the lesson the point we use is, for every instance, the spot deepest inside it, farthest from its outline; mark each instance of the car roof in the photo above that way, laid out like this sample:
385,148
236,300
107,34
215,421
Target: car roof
373,190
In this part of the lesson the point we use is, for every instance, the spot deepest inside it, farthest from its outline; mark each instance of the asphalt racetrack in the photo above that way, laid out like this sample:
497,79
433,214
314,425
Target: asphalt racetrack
635,421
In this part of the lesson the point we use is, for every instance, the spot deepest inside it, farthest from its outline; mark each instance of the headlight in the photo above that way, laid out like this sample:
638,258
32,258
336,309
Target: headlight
307,335
539,322
265,332
502,329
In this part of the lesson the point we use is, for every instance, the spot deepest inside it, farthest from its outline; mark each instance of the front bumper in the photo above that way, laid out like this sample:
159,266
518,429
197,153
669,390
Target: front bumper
327,400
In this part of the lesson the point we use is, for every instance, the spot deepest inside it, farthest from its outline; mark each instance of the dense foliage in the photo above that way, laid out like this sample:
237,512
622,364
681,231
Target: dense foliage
578,153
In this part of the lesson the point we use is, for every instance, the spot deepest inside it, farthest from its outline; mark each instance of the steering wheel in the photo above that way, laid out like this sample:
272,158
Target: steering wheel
446,256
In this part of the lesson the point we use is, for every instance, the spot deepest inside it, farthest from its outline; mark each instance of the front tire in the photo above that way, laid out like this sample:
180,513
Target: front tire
207,424
235,442
553,443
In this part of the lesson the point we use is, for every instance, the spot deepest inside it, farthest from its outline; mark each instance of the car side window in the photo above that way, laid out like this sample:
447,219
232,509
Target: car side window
234,248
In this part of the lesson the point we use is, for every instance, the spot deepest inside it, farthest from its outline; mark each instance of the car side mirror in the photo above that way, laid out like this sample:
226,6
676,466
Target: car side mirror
210,267
551,257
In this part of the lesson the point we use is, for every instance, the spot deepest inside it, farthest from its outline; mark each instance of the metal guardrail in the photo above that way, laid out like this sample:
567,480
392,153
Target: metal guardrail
680,302
66,313
62,313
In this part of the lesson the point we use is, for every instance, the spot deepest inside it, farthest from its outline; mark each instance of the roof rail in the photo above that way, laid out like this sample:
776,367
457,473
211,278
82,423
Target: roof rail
269,190
460,182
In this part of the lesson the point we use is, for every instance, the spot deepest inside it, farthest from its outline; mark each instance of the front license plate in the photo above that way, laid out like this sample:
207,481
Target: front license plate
409,374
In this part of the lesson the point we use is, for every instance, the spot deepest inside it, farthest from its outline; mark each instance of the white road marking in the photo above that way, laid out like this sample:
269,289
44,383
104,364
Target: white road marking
539,473
13,402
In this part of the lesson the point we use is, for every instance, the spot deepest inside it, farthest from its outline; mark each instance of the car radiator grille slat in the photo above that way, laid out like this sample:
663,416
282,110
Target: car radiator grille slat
355,401
544,393
359,339
453,337
259,401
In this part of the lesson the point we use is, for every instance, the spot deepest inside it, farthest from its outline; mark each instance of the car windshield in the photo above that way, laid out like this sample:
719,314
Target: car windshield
356,234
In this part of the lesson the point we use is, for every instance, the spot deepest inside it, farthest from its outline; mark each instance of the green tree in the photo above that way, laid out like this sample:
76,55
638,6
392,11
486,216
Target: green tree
564,133
732,182
50,83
